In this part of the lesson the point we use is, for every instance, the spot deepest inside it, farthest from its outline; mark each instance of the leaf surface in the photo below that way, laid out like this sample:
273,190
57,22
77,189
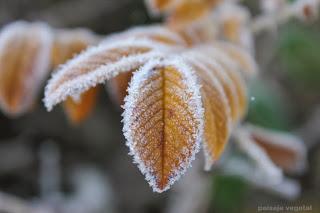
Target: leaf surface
97,65
24,64
163,120
285,150
68,43
79,110
217,119
117,86
233,70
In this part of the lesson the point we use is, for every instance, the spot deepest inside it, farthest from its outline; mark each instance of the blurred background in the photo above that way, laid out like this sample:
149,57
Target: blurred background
49,165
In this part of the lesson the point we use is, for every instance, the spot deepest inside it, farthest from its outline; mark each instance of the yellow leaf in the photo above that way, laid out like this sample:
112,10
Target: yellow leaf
24,64
163,120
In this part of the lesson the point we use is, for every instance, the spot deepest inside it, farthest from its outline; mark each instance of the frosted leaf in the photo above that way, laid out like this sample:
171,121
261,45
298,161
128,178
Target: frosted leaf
80,109
241,56
68,43
24,64
117,87
233,20
233,70
187,12
222,76
163,120
258,155
286,188
98,64
200,31
217,116
284,149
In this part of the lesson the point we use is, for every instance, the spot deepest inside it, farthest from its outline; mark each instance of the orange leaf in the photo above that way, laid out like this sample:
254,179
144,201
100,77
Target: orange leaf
79,110
117,87
239,55
231,69
97,65
217,121
163,120
189,11
222,76
186,13
198,32
24,64
68,43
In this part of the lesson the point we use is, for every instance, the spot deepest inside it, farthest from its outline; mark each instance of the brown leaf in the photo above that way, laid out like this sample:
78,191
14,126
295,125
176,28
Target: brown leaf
24,64
163,120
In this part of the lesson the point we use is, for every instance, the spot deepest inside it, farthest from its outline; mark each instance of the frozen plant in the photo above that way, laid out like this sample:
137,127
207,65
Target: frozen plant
185,83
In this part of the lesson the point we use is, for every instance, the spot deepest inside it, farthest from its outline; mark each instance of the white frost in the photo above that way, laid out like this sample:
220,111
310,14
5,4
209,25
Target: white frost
81,83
